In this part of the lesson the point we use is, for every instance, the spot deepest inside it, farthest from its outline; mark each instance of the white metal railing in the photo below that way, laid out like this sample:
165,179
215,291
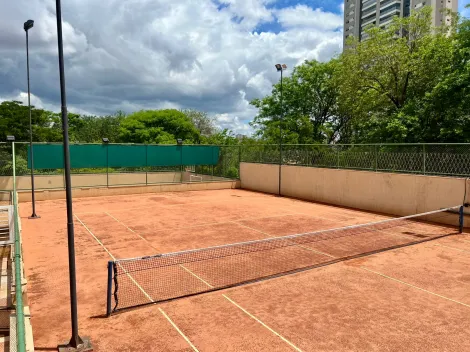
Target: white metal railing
6,225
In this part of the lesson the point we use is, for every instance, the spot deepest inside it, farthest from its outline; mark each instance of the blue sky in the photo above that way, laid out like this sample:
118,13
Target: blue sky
211,55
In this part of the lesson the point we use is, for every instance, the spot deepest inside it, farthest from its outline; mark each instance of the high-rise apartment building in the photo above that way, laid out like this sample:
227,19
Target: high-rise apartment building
358,14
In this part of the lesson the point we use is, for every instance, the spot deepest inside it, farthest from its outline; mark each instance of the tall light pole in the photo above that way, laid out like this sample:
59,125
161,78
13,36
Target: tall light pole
76,343
27,26
280,68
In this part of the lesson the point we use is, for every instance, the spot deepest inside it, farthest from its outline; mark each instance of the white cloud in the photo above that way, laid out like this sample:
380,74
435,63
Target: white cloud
144,54
306,17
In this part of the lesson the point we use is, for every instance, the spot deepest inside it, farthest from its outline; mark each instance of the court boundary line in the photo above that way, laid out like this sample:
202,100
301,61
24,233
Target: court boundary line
178,329
152,301
224,295
211,223
128,228
453,248
414,286
169,206
112,256
263,324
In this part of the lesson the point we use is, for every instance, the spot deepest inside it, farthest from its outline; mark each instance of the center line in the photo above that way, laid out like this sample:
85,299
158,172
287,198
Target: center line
263,324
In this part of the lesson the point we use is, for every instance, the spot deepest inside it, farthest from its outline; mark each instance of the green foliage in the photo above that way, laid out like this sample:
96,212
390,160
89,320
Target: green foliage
311,113
232,172
158,126
14,120
202,121
92,129
408,82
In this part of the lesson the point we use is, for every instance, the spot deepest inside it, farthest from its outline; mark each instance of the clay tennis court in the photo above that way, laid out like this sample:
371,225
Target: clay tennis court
414,298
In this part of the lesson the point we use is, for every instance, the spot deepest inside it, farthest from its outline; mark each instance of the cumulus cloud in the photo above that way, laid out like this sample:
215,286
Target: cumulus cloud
306,17
143,54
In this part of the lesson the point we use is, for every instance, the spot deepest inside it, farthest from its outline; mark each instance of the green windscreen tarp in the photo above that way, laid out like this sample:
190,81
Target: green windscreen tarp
50,156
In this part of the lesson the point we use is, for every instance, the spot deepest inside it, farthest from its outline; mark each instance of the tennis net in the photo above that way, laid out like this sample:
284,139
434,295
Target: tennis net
162,277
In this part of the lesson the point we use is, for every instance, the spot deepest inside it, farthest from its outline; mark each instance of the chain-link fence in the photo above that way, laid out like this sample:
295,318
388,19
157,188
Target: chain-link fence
426,159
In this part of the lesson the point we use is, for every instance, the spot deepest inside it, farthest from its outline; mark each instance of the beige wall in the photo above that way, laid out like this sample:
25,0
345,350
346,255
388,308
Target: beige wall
397,194
260,177
25,196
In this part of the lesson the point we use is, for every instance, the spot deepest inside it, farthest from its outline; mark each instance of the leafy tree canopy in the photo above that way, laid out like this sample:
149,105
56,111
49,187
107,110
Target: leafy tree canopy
158,126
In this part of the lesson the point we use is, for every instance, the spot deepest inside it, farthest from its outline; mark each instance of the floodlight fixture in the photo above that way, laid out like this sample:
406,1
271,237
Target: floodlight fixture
105,140
28,25
179,141
280,67
10,138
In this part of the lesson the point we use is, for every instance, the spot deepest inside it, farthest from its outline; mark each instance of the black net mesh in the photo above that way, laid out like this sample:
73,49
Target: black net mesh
151,279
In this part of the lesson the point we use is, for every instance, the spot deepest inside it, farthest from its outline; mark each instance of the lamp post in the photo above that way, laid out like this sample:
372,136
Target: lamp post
27,26
76,342
280,68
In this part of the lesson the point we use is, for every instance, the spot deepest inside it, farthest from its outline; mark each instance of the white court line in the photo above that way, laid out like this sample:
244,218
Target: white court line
129,275
196,276
413,286
263,324
298,245
140,287
96,238
215,223
226,297
127,227
178,329
167,206
454,248
181,265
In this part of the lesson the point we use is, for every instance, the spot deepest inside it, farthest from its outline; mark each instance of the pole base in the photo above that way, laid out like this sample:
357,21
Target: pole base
34,216
83,347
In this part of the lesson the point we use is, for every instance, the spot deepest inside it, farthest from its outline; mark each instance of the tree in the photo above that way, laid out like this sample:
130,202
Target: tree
158,126
14,120
202,121
384,79
446,108
310,103
92,129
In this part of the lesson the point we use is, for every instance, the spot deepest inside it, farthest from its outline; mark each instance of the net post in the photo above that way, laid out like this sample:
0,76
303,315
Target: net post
461,218
110,288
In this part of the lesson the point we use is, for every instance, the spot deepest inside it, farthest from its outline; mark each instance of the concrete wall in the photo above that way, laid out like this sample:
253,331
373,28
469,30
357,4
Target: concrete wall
260,177
390,193
25,196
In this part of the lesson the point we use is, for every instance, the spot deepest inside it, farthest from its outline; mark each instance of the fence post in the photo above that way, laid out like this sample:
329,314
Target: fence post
107,165
181,164
461,219
110,288
146,163
376,154
239,159
337,158
424,159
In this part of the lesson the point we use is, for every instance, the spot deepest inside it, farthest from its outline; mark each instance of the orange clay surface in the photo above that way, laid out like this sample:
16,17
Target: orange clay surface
415,298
